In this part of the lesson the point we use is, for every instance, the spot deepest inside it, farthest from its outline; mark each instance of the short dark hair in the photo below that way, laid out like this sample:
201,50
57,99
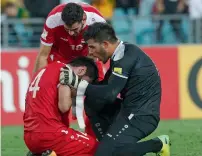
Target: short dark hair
72,13
100,32
92,70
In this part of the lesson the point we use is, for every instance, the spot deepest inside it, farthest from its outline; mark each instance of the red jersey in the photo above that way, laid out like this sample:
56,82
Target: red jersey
65,47
41,104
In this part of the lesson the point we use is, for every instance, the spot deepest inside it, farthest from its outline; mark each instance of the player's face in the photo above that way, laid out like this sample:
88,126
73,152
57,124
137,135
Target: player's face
97,50
75,29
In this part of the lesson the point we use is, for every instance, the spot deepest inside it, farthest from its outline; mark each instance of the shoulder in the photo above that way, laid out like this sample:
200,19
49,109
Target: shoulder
54,17
132,51
56,66
125,50
93,15
132,48
126,55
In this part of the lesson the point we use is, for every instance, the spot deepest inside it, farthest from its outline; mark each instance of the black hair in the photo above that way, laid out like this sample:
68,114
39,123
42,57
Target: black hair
72,13
91,71
100,32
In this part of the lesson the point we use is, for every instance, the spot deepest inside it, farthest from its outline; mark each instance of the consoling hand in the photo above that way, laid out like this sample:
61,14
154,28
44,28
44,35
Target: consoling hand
68,77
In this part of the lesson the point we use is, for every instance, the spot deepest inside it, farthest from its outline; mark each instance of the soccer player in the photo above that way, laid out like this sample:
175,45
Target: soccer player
62,37
134,75
46,111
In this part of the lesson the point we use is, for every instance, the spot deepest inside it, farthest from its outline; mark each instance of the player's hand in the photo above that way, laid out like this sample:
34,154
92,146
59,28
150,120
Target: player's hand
67,77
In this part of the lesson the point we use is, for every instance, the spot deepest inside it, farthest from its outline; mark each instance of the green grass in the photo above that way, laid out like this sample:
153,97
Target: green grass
186,137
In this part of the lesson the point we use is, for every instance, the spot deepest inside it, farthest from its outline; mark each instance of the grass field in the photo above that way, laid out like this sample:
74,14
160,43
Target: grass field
186,137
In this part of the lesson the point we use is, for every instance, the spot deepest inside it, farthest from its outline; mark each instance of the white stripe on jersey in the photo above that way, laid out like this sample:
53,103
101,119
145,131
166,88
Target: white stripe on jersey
46,44
122,76
55,20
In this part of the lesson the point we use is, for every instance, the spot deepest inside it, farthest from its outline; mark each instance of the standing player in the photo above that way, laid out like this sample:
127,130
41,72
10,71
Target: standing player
47,103
62,37
134,75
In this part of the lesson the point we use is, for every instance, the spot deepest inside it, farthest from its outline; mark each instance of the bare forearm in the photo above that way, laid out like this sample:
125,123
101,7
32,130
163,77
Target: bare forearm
41,62
65,104
64,98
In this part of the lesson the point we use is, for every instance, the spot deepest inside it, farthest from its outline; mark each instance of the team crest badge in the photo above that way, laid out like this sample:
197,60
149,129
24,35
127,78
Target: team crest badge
118,70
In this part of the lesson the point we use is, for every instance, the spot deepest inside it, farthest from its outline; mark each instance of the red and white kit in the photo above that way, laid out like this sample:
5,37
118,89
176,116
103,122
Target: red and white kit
43,125
64,46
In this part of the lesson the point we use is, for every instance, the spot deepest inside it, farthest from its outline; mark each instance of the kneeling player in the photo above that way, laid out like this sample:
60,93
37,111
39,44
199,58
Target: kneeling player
132,74
46,111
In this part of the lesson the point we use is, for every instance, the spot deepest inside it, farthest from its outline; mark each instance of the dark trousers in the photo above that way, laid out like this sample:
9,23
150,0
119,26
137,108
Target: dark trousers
117,128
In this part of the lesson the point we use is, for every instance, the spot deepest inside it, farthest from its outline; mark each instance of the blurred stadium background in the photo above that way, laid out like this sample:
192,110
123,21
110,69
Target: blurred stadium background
171,34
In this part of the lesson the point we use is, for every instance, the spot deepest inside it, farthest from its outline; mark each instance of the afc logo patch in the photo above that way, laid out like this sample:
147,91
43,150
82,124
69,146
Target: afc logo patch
118,70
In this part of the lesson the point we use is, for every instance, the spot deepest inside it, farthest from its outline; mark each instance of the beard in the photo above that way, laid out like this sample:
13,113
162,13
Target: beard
103,54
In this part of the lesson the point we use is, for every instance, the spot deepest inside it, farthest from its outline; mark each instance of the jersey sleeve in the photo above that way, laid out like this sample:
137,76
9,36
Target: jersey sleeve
122,68
98,17
47,36
95,15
